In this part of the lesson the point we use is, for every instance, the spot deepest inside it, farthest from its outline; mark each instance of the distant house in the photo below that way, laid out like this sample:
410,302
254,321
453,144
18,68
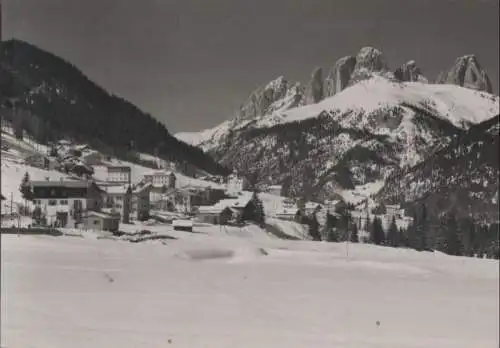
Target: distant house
118,174
139,203
41,161
237,205
103,222
312,207
65,202
161,178
274,190
216,215
92,158
288,213
237,183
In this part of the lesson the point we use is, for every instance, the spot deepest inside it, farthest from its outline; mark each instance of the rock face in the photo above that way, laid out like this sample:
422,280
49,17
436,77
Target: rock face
314,90
409,72
262,99
468,73
370,59
339,76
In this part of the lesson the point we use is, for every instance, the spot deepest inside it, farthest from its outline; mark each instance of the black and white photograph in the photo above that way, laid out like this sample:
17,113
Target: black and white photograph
249,174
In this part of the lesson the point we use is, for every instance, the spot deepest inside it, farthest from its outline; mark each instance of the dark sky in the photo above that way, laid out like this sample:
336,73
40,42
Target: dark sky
191,63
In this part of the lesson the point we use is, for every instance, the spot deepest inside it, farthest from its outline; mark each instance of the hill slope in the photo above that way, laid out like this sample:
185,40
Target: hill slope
54,99
462,176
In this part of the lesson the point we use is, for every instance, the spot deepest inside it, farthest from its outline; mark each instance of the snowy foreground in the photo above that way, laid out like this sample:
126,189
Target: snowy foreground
208,291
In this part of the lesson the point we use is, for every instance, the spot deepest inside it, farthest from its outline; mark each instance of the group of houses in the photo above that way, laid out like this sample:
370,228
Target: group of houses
109,196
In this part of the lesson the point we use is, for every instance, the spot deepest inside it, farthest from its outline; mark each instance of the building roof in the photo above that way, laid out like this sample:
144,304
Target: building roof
60,183
118,168
239,202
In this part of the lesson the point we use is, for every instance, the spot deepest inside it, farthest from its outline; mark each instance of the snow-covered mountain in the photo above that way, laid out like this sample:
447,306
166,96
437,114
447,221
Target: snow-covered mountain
371,124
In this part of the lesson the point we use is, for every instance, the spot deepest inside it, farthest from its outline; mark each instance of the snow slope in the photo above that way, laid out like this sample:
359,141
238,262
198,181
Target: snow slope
222,292
460,106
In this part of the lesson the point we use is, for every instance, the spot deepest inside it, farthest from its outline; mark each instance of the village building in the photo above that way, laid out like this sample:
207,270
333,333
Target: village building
103,222
288,213
311,208
237,183
92,158
161,178
118,174
274,190
41,161
66,202
139,206
215,215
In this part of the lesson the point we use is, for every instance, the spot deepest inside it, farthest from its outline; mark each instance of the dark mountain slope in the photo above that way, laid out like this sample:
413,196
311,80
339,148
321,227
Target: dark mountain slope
54,99
462,176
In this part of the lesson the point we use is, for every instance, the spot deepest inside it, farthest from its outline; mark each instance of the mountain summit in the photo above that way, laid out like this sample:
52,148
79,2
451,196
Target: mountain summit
467,72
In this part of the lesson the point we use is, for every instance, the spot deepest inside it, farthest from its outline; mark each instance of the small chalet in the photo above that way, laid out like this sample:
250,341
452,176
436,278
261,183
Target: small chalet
102,222
66,201
216,215
289,213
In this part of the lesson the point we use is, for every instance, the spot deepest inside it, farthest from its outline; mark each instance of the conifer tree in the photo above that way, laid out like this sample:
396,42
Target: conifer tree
331,228
354,234
377,234
393,234
25,188
314,228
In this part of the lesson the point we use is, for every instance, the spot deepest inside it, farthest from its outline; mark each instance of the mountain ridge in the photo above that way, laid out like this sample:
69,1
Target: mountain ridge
379,124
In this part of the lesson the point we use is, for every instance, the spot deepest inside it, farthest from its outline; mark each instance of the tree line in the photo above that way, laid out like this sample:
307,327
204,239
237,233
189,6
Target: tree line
447,233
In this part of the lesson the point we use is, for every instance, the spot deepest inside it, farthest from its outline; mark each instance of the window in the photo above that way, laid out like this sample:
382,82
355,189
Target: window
96,222
52,202
63,202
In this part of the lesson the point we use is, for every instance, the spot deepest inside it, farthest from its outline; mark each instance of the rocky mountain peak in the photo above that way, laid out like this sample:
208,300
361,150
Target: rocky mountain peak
467,72
314,90
370,59
277,94
409,72
339,76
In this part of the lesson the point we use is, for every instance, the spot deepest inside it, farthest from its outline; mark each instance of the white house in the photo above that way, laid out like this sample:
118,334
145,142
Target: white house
118,174
65,202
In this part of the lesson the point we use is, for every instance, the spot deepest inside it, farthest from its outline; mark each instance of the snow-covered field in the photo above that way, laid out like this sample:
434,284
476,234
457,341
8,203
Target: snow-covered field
212,289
